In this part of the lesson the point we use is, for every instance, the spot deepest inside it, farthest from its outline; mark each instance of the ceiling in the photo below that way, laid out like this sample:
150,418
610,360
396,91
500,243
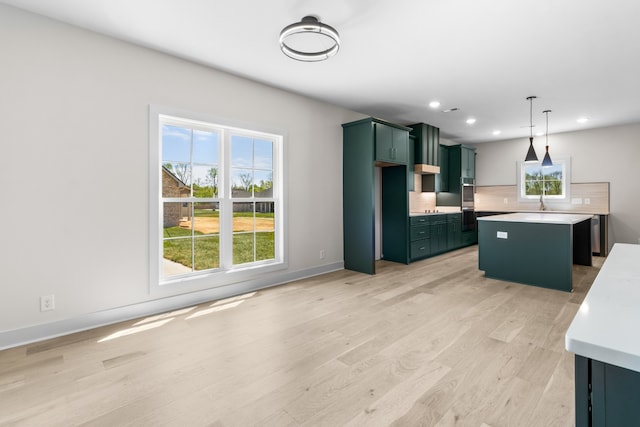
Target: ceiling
579,58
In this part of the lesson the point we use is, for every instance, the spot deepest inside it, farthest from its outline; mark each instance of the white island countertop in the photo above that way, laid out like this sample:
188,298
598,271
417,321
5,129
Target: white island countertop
538,218
607,325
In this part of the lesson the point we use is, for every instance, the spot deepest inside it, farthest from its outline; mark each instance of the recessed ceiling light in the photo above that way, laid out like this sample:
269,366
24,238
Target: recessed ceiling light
434,104
582,120
539,133
497,132
471,120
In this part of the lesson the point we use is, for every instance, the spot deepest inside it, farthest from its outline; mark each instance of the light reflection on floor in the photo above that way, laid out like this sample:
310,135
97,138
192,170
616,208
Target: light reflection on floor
159,320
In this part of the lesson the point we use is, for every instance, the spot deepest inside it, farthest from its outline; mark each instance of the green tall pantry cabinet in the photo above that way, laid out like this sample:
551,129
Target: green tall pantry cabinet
368,143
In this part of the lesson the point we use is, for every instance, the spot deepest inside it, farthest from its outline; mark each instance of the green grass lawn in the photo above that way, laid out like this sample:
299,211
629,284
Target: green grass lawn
207,248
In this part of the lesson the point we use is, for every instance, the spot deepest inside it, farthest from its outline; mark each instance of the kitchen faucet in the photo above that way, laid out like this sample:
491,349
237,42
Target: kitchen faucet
542,206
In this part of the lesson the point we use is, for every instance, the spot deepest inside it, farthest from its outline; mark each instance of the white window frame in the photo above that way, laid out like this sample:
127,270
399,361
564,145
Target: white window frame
227,274
566,180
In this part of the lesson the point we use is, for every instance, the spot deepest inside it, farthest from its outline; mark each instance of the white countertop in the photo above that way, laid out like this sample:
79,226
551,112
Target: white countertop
538,217
429,213
607,325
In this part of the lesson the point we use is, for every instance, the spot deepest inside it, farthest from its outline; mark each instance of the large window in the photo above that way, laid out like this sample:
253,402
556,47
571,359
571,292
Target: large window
219,200
549,182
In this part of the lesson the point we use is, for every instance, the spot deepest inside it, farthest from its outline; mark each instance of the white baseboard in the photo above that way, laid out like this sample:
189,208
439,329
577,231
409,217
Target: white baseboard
31,334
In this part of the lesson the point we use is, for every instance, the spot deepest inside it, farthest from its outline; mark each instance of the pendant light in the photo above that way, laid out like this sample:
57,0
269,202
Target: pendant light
547,159
531,154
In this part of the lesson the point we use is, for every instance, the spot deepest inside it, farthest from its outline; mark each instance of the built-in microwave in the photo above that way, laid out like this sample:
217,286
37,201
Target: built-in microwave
468,190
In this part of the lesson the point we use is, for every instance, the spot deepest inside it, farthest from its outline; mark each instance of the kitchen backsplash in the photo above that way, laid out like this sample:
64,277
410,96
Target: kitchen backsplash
590,198
425,202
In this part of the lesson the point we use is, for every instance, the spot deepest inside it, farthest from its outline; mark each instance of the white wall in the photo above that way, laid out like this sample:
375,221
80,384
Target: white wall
599,155
74,114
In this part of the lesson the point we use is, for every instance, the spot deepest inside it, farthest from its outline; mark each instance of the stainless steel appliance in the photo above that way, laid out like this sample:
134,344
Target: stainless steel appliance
467,204
468,192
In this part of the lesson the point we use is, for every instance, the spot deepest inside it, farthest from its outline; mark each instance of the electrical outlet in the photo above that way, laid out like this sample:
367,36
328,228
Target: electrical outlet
322,254
47,303
506,201
587,201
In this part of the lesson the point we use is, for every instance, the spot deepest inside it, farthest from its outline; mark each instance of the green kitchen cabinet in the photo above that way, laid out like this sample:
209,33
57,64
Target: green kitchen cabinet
391,144
461,165
427,144
467,162
410,174
454,231
364,143
395,208
420,237
438,234
442,179
605,394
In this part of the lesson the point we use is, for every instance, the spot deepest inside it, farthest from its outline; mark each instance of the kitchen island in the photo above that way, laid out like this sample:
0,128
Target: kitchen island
605,338
534,248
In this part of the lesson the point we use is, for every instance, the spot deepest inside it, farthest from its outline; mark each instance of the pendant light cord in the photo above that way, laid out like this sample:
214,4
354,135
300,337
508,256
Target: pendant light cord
531,116
546,133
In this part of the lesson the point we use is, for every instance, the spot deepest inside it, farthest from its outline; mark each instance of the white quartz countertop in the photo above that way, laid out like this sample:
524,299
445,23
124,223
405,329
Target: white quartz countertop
607,325
538,217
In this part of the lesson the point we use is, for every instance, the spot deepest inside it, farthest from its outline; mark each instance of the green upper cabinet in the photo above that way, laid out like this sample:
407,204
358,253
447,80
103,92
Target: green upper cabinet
427,144
467,162
442,179
392,144
410,176
461,164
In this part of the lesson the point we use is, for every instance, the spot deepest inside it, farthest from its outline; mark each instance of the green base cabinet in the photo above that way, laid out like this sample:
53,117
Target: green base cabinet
468,238
420,236
436,234
606,395
439,234
454,231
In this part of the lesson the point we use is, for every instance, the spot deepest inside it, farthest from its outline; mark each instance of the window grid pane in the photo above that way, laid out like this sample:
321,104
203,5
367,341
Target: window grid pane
193,235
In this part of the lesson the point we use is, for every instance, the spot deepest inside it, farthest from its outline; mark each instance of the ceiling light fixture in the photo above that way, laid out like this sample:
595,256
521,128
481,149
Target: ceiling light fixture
471,120
531,154
299,40
582,120
547,159
434,104
497,132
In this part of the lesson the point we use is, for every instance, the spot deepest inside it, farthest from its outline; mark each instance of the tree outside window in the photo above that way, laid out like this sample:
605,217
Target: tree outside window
537,181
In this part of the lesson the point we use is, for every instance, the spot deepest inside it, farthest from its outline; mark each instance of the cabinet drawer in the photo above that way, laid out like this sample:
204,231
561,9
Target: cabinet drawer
420,232
418,220
420,248
455,217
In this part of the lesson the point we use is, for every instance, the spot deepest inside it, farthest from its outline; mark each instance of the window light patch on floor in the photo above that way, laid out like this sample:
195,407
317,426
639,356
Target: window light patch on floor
166,315
214,309
236,298
136,329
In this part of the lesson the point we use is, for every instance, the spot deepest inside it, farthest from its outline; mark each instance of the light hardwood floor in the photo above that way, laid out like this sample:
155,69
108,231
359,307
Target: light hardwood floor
434,343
